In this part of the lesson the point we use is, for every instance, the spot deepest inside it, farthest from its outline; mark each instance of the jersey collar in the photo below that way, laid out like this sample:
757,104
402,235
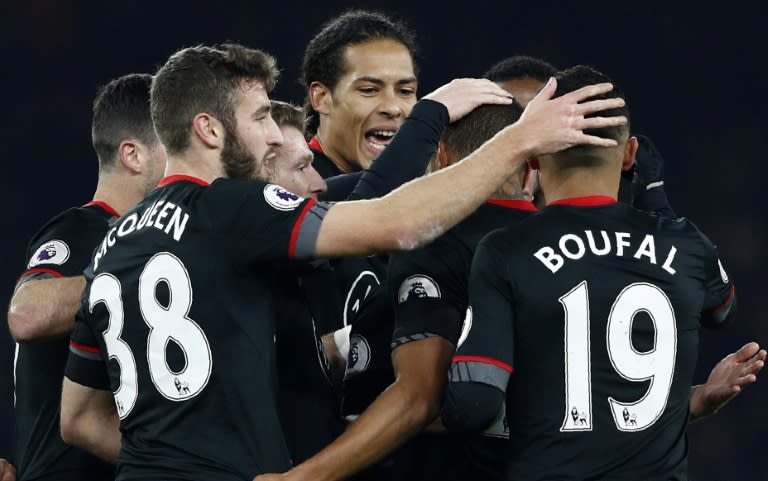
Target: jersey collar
181,178
588,200
104,206
514,204
314,144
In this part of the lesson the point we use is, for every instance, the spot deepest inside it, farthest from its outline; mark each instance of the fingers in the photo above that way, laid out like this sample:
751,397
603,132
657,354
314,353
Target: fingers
747,351
597,141
600,122
546,92
593,106
589,91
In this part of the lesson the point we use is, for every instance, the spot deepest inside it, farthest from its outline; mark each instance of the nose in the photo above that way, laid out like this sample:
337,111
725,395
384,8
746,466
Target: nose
392,105
274,134
317,184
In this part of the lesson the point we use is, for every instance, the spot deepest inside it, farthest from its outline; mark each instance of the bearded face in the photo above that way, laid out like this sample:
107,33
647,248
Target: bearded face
238,161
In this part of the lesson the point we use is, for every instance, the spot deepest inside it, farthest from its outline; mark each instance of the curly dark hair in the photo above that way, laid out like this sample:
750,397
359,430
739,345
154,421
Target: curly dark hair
324,56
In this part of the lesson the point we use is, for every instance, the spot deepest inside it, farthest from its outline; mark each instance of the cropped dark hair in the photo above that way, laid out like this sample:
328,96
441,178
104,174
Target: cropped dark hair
580,76
120,112
285,113
324,55
204,79
518,67
471,131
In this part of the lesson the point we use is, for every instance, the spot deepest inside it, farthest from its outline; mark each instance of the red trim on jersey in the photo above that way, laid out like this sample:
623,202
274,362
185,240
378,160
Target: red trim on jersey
514,204
587,200
727,301
179,178
314,144
83,347
297,228
40,269
106,207
485,360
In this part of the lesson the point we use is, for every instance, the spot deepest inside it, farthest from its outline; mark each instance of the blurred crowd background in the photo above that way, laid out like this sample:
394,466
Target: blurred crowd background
694,78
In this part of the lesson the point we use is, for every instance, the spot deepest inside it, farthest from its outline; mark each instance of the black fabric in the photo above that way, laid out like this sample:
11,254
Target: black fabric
196,287
67,242
541,314
648,183
471,406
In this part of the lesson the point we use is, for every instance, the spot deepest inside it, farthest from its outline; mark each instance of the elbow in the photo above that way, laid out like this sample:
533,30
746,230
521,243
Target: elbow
407,235
423,403
24,323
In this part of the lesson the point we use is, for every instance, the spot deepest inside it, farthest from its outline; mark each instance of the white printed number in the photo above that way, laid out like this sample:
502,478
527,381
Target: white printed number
166,324
658,364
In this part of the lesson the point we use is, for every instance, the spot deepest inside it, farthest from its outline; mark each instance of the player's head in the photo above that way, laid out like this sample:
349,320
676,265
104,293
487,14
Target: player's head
464,136
597,164
215,99
122,131
521,75
360,75
291,168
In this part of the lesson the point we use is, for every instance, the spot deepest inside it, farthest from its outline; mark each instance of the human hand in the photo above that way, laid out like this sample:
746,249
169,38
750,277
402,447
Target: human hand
7,471
551,125
462,96
271,477
728,378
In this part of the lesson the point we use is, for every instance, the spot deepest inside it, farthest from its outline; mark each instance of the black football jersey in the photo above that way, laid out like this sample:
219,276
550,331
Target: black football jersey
62,248
180,304
594,308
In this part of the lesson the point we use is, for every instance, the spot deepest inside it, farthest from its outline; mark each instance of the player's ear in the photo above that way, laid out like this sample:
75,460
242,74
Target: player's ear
630,151
209,130
444,155
128,153
320,97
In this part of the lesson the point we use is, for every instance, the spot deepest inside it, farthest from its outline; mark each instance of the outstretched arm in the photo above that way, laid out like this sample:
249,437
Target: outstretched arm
727,379
391,223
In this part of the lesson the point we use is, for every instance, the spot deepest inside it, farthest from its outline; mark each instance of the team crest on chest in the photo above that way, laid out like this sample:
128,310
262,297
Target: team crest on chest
52,252
418,286
280,198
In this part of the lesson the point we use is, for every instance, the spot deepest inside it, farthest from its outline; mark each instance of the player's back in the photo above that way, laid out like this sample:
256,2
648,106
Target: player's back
181,291
606,308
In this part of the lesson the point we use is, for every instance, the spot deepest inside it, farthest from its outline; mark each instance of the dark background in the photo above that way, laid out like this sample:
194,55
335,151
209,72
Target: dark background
694,78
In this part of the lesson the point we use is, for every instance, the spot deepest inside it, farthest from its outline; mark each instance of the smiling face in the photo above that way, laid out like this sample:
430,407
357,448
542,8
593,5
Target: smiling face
359,117
292,167
254,137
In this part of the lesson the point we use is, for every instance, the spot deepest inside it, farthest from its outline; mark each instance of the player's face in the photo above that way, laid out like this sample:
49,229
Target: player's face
523,89
369,102
291,168
253,138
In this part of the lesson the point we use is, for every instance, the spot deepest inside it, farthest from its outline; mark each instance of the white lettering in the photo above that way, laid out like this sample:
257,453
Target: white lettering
647,248
177,223
144,217
668,263
125,228
111,236
163,214
552,261
152,214
606,243
621,242
579,246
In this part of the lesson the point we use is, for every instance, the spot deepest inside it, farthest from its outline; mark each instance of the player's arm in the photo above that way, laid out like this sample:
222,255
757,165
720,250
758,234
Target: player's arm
44,307
648,184
7,471
399,412
482,365
89,420
423,209
728,378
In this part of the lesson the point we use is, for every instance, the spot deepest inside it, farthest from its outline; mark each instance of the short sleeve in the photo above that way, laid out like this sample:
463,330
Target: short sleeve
85,362
428,290
486,347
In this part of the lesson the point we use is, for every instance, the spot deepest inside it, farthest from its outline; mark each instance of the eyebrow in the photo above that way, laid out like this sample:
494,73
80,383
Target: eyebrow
378,81
265,109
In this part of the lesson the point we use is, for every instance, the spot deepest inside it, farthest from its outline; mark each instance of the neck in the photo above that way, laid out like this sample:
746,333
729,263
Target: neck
204,169
578,183
121,192
337,159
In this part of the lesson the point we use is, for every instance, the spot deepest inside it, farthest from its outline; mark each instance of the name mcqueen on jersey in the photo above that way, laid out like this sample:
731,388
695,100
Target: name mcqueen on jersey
162,215
573,246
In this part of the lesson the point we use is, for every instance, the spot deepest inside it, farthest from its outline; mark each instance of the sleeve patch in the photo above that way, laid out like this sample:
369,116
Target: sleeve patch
280,198
418,286
52,252
359,356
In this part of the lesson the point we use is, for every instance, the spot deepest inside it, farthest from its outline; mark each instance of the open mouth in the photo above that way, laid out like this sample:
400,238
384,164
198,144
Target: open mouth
378,139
